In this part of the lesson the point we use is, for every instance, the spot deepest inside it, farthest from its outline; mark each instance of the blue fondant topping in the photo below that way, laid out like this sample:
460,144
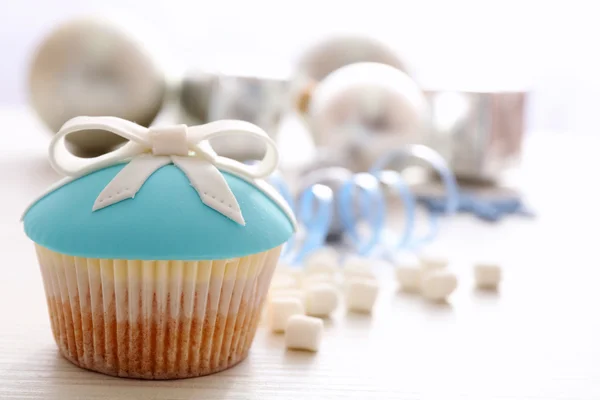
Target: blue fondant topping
165,221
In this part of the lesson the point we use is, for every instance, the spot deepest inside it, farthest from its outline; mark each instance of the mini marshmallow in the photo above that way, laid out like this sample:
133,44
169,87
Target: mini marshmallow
431,261
361,294
304,333
408,272
407,258
326,253
321,300
320,269
289,293
281,309
324,260
487,276
285,269
282,280
438,285
358,267
409,278
315,279
263,315
355,260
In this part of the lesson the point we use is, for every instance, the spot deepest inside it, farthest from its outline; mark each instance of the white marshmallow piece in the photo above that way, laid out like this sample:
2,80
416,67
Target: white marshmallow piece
289,293
358,267
321,300
281,309
487,276
431,261
284,269
361,294
324,260
409,278
282,280
408,272
316,279
438,285
304,333
407,258
319,269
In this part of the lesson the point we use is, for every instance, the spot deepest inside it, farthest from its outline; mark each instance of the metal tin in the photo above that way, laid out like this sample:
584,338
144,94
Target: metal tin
210,97
479,133
195,95
364,109
92,67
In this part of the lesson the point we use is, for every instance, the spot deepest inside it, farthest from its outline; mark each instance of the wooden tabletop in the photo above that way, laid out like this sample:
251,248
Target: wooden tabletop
537,338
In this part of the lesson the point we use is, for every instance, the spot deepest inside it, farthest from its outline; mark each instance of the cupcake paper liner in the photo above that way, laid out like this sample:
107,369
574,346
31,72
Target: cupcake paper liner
155,319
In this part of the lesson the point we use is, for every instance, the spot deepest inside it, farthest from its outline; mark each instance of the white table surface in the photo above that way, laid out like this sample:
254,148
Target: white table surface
538,338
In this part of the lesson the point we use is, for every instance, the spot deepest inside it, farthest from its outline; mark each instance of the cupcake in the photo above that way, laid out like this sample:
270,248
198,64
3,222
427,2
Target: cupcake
156,258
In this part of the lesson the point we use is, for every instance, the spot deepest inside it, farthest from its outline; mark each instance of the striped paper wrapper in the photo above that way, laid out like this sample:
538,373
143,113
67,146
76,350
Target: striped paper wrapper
155,319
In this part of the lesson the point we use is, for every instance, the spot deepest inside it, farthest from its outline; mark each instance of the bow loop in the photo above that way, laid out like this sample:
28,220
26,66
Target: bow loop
150,149
66,163
200,137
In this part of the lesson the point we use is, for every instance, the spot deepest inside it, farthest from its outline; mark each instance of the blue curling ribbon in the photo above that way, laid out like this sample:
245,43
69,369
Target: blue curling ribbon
316,223
401,188
438,163
315,212
371,207
276,179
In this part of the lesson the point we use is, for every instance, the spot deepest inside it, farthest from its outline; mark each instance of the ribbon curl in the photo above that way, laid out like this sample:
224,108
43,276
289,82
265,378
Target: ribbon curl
149,149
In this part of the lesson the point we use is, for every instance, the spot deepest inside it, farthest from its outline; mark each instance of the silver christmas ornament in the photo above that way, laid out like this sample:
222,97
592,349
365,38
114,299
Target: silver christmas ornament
329,55
364,109
93,67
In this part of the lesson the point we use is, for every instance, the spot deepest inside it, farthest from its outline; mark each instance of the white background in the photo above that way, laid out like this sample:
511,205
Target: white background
550,46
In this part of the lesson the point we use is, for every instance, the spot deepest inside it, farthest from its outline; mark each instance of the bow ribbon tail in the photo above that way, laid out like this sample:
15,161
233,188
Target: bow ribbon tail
211,186
129,180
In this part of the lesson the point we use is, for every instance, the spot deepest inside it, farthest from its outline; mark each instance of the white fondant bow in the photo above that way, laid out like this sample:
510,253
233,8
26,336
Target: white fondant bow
151,148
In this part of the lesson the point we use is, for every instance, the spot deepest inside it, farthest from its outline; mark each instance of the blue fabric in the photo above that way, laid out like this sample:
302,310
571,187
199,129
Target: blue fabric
491,209
165,221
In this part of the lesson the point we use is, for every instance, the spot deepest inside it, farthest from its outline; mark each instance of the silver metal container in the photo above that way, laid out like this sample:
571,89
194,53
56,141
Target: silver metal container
195,96
479,133
94,67
209,97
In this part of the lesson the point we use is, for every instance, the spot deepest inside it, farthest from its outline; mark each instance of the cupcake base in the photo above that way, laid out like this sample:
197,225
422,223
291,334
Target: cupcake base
155,319
149,351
